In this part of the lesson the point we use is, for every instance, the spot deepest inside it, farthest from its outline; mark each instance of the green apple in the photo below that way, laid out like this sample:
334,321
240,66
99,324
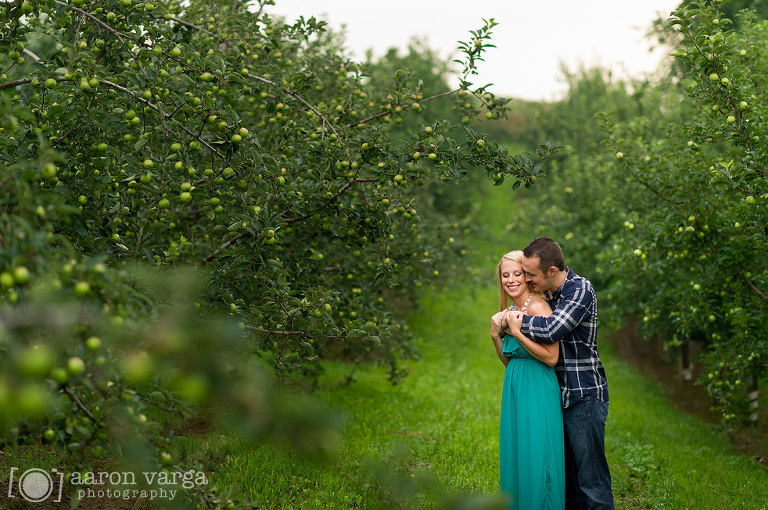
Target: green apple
82,288
36,361
33,400
49,171
75,366
138,367
49,436
59,375
7,280
93,343
21,275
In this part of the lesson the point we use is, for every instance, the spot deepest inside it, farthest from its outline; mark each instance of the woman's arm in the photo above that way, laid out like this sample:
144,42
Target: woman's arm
546,353
498,322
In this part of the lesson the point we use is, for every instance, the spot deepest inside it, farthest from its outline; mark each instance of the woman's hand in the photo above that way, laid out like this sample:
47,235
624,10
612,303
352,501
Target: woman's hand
498,323
514,318
546,353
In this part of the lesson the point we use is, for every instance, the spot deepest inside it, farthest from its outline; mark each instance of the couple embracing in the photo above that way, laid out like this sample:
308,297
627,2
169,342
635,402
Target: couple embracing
555,394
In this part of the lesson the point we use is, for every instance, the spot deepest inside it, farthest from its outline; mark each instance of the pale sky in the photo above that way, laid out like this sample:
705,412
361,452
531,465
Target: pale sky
532,39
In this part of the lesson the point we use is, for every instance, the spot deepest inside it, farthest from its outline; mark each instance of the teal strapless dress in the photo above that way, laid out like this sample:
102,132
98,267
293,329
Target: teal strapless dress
532,464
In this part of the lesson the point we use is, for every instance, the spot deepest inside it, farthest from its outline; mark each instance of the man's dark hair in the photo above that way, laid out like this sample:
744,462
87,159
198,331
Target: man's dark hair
549,253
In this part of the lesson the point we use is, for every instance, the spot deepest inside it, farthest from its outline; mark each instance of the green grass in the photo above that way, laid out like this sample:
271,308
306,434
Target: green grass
664,458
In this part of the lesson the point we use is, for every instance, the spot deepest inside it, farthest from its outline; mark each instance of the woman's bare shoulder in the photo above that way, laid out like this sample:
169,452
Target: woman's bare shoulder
539,307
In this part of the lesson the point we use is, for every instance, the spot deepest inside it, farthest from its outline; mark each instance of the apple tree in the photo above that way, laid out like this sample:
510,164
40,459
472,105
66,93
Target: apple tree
200,199
672,217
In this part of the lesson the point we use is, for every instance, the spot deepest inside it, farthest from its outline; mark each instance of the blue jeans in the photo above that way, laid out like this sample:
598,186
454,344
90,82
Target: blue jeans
587,478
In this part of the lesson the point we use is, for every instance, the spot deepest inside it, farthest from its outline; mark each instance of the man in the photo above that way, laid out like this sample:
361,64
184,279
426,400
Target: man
581,375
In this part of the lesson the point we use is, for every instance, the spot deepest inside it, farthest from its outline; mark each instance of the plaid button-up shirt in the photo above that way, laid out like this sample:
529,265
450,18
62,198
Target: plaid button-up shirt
574,323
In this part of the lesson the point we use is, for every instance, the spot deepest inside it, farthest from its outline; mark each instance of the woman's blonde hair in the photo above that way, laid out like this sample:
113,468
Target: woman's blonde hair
515,256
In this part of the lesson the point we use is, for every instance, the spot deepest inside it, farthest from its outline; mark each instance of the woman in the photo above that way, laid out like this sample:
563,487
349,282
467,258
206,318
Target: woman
532,460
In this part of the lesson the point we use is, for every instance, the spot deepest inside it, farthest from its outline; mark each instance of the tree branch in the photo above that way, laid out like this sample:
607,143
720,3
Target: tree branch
165,116
79,403
109,29
381,114
757,291
329,200
292,333
305,103
220,249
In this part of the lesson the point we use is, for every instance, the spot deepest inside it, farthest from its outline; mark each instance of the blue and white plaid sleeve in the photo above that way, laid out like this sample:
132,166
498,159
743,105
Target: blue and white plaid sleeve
573,307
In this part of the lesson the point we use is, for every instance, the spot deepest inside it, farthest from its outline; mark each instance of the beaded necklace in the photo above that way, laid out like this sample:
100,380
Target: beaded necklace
525,305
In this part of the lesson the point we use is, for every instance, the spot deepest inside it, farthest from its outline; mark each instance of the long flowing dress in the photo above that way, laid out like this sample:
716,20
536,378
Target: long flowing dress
532,464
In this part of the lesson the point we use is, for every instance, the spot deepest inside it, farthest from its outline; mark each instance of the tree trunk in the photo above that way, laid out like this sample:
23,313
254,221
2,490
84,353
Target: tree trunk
753,402
685,364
